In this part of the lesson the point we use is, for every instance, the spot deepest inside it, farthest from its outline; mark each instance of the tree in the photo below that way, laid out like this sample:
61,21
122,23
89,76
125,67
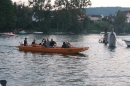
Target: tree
41,11
68,11
119,22
7,21
23,15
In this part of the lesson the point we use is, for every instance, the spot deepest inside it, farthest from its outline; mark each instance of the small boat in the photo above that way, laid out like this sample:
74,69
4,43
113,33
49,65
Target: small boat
123,33
108,37
101,39
38,32
22,32
8,34
39,48
112,39
127,42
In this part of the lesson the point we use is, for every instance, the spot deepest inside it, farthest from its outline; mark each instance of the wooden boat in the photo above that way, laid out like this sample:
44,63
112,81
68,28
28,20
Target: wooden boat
39,48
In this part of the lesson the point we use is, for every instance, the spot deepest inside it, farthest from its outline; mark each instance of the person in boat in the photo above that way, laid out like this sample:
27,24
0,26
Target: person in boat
25,42
43,43
65,45
105,37
34,42
52,43
47,43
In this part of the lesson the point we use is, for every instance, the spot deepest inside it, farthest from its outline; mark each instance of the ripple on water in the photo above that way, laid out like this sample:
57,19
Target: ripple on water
99,66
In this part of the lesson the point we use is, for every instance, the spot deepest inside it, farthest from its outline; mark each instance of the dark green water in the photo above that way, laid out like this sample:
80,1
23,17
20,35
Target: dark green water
98,66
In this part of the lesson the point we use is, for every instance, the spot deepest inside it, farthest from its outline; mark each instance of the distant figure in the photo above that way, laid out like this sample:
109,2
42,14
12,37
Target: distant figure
52,43
3,82
25,42
105,37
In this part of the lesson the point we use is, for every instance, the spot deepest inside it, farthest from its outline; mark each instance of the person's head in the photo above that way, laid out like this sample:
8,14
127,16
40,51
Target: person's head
25,38
64,43
51,39
43,40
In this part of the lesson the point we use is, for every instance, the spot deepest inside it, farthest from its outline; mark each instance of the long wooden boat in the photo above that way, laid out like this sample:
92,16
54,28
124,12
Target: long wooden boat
52,50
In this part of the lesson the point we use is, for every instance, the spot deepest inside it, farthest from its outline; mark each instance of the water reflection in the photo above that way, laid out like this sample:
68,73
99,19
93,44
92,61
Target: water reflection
62,54
112,49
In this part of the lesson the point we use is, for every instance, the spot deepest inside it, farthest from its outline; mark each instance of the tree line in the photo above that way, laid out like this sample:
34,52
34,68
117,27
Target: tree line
68,16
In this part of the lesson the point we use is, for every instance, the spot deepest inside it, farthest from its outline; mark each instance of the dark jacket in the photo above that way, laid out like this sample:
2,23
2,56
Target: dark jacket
25,43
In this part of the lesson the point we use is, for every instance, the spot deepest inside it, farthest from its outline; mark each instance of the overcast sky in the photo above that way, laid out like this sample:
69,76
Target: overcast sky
103,3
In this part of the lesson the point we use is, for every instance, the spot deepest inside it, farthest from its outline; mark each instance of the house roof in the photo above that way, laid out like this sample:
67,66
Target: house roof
125,12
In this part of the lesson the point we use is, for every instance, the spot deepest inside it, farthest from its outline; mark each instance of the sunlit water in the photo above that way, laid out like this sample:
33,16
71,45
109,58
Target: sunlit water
98,66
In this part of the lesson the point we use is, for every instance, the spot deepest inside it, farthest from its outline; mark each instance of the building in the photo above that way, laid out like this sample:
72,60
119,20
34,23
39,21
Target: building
127,13
96,17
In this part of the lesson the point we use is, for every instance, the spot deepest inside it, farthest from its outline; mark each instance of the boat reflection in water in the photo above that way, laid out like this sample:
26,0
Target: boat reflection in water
60,54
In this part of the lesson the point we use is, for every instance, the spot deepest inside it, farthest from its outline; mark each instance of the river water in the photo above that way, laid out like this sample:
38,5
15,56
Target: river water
98,66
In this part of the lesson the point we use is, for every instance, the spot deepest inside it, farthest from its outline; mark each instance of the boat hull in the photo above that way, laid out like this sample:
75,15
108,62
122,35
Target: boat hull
7,34
127,42
53,50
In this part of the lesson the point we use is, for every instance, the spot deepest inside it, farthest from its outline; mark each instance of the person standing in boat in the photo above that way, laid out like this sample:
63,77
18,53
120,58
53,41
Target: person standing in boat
52,43
47,43
25,42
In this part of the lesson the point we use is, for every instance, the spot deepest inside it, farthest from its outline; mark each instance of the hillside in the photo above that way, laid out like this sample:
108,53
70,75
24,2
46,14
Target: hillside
104,10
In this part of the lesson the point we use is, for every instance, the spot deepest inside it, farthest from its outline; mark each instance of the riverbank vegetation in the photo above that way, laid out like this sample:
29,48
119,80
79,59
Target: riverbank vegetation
63,17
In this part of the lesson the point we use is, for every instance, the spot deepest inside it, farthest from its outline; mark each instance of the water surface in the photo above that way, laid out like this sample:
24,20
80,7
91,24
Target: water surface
98,66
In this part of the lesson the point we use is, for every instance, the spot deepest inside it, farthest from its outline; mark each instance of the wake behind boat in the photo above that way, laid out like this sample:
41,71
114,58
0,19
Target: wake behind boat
39,48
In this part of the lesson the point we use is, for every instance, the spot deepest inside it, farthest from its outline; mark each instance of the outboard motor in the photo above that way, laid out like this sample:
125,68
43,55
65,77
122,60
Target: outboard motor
112,39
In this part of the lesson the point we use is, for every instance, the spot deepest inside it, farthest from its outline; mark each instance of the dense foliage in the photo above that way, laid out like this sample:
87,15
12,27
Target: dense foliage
66,16
7,20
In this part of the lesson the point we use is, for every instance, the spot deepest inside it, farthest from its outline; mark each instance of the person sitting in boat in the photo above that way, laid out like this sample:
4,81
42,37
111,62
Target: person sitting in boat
64,45
52,43
34,42
25,42
43,43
